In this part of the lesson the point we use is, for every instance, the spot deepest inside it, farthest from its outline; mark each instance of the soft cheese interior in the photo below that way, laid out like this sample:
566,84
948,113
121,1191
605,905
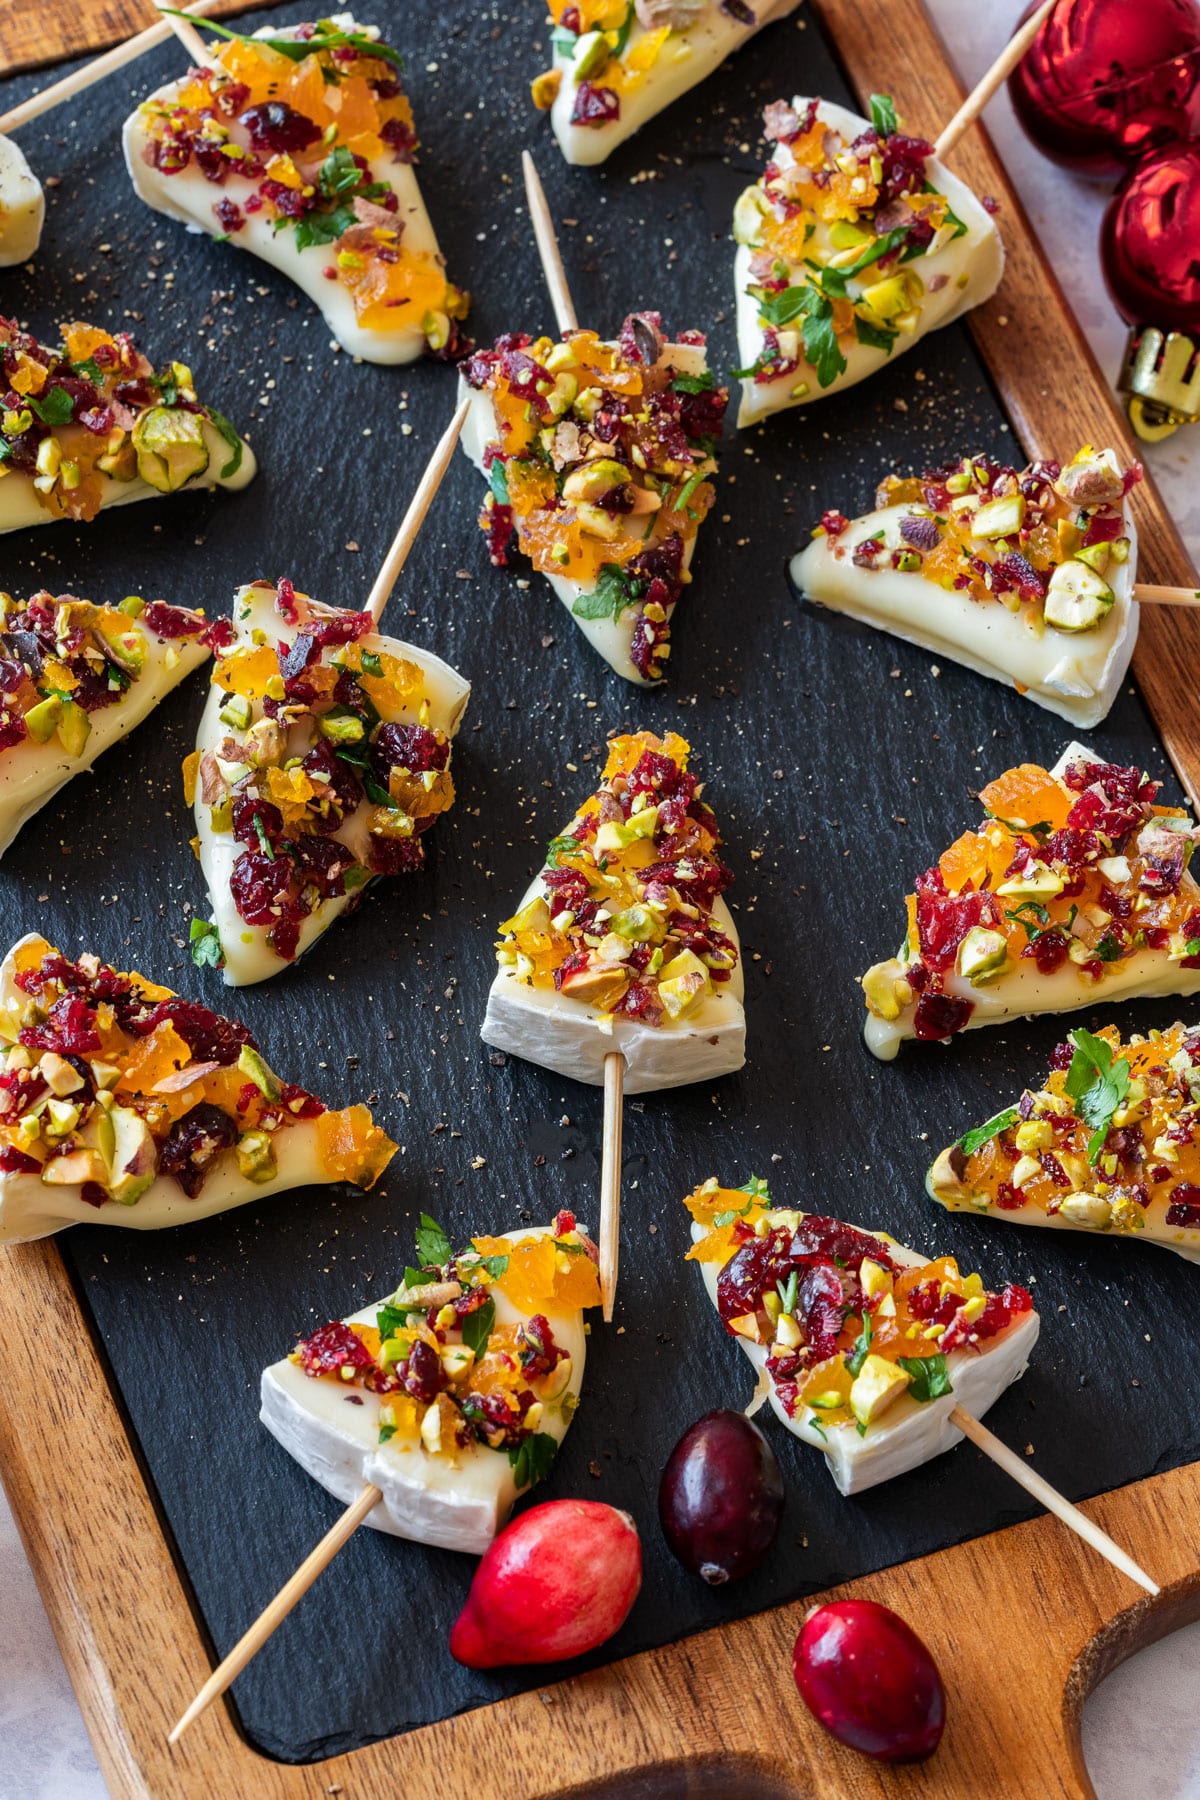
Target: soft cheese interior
22,206
1076,674
972,265
912,1432
457,1503
687,57
611,637
248,955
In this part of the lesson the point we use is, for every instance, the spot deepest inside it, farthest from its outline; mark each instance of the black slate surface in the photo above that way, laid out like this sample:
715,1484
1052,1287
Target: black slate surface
840,762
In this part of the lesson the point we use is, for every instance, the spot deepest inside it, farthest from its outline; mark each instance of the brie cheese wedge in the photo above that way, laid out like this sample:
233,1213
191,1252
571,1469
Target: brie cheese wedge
609,516
596,958
1075,891
835,277
1040,596
877,1402
22,206
607,82
1128,1170
442,1478
124,661
358,241
300,804
161,1132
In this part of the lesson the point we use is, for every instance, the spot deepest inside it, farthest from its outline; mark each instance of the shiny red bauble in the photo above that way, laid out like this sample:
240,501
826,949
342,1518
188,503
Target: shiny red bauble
865,1675
1106,80
1150,241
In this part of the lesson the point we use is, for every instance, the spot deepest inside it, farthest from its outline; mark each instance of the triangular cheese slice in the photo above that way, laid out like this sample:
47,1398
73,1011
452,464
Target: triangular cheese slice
75,678
624,941
177,1117
1074,891
267,150
22,206
452,1414
619,62
605,497
1107,1144
853,245
322,757
94,426
863,1346
1024,575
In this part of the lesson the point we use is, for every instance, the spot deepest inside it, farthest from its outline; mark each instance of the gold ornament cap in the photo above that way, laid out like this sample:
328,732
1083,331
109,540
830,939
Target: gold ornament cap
1161,377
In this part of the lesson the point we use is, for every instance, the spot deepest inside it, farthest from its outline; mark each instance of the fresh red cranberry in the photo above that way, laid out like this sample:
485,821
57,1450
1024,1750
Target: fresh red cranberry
865,1675
721,1498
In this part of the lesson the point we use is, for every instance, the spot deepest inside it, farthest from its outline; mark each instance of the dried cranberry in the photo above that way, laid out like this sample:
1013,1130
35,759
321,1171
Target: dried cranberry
70,1028
251,814
396,856
423,1372
230,216
412,747
172,621
278,127
322,861
400,139
940,1016
594,105
15,1162
193,1145
333,1348
208,1036
1185,1205
258,884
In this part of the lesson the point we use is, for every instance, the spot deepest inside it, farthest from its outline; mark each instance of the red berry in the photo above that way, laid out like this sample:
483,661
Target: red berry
865,1675
558,1581
721,1497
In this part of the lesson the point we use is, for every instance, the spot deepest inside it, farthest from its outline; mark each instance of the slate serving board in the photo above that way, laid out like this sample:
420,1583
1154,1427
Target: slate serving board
839,762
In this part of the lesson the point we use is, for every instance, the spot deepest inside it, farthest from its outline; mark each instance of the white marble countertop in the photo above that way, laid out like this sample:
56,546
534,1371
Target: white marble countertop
1142,1727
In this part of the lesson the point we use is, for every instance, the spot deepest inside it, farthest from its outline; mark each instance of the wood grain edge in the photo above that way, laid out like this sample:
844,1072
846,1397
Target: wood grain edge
1045,373
1027,1614
34,35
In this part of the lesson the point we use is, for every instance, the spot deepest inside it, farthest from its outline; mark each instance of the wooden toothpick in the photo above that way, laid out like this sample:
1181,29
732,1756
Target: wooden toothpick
202,57
999,72
1147,595
1050,1498
273,1616
418,506
547,244
610,1179
96,70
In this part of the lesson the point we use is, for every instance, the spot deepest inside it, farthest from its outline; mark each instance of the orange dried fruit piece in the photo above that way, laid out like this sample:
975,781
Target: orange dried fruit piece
247,672
154,1057
1027,796
528,1280
352,1147
579,1283
717,1247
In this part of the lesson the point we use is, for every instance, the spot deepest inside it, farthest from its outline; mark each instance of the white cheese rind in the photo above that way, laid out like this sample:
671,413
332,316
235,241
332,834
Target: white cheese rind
20,503
248,956
189,198
31,773
686,58
457,1504
1023,992
22,206
1074,674
613,638
572,1038
912,1432
978,255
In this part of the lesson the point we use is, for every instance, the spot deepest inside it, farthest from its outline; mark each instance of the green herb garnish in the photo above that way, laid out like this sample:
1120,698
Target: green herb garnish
533,1460
433,1246
1097,1082
206,945
983,1134
927,1376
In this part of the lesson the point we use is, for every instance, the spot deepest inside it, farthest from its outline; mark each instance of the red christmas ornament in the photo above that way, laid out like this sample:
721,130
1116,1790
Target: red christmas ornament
1150,254
1106,80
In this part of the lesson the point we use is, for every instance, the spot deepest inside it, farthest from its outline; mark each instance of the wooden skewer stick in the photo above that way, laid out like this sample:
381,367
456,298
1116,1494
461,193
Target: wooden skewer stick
999,72
610,1179
202,57
1147,595
547,243
96,70
290,1593
414,518
1050,1498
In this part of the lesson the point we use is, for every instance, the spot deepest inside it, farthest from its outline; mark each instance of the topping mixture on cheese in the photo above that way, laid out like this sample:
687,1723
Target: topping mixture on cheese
849,1326
92,407
1110,1143
110,1081
623,919
447,1373
302,128
838,230
327,773
1081,869
602,469
1039,540
62,659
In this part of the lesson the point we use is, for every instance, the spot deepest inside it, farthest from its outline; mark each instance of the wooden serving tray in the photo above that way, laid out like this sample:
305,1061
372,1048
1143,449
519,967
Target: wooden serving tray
1023,1623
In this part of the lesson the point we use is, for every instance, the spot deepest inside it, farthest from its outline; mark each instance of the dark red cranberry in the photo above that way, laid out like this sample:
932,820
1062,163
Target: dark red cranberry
865,1675
333,1348
939,1016
277,127
172,621
258,884
208,1036
397,856
250,816
412,747
594,105
721,1497
193,1145
423,1372
1185,1205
